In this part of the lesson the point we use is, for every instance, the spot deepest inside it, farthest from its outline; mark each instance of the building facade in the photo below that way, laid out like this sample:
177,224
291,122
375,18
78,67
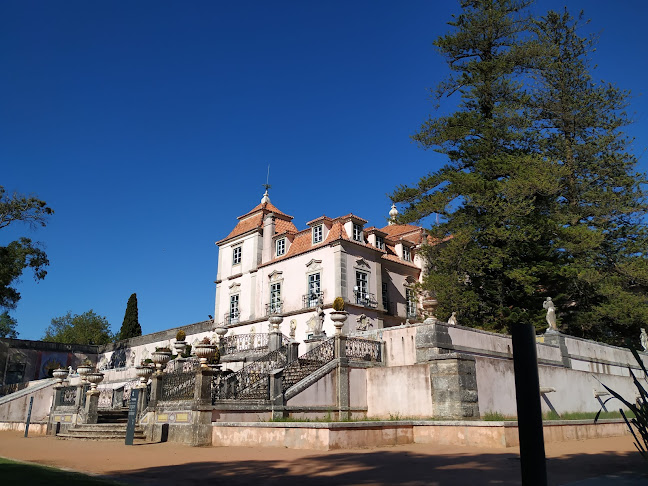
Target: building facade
266,266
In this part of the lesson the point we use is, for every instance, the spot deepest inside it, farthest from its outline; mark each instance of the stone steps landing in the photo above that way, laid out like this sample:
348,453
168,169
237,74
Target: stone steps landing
100,432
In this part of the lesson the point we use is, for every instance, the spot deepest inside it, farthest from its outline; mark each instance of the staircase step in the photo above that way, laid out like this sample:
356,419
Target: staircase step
100,432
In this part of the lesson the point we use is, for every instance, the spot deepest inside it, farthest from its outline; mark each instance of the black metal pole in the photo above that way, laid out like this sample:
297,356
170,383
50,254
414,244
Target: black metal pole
529,411
31,402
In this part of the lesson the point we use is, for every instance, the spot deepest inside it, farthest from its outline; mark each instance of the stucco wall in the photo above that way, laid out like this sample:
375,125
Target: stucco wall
399,390
14,407
319,394
400,345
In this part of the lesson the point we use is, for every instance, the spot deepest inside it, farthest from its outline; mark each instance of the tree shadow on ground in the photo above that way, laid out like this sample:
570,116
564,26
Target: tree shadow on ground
383,468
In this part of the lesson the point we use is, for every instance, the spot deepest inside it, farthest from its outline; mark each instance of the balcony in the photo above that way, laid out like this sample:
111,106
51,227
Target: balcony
411,312
274,308
312,300
231,318
365,299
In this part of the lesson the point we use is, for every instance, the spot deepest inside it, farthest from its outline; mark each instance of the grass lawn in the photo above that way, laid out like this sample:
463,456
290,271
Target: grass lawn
13,472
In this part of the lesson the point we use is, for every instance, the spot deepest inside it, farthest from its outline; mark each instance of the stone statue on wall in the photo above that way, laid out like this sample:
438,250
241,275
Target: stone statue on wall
363,323
316,322
293,328
644,339
71,371
551,314
453,319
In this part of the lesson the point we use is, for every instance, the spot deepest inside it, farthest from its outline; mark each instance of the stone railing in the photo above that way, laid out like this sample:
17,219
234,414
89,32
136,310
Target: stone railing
7,389
250,382
363,349
240,343
309,362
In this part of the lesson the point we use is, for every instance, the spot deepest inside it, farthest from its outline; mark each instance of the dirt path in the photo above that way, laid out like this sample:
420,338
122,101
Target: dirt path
409,465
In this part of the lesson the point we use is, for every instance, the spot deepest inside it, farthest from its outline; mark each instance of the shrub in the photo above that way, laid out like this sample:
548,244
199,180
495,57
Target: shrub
163,349
639,424
205,340
338,304
181,335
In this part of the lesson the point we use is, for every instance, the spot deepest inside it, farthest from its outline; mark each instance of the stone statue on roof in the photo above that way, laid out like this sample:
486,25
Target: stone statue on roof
644,339
551,314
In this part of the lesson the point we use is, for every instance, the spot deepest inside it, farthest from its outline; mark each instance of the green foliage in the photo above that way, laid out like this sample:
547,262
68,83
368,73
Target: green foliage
181,335
23,253
540,196
637,417
15,472
338,304
7,326
86,328
131,326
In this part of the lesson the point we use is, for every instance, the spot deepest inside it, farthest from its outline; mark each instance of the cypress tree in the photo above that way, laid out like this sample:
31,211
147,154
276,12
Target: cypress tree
131,326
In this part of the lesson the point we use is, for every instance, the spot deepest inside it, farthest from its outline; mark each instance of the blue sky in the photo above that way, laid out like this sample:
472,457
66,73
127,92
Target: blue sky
148,128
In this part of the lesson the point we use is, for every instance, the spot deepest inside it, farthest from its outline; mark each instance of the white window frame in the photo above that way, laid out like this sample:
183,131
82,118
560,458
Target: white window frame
314,288
407,253
318,234
380,242
275,297
410,303
237,255
362,285
357,232
280,247
235,310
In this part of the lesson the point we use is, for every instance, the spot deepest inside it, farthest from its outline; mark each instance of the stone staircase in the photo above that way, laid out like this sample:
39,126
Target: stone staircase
111,425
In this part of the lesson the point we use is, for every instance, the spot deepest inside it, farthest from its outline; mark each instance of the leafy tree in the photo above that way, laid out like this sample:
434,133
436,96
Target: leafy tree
7,326
86,328
539,195
22,253
131,326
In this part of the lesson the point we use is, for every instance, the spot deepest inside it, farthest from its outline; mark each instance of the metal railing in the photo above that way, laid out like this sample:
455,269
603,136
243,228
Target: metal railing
365,299
250,382
68,396
363,349
312,300
274,308
178,386
298,369
231,317
239,343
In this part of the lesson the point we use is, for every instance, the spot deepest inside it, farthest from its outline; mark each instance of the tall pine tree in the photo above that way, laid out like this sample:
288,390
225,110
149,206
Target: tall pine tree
131,326
539,194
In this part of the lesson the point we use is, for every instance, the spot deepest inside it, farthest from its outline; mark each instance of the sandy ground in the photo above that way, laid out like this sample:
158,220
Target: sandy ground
409,465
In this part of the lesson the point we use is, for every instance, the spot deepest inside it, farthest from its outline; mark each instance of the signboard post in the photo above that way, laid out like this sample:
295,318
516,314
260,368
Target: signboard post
132,416
31,402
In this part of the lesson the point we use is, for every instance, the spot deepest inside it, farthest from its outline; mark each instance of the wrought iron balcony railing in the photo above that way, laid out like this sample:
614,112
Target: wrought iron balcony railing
274,308
365,299
312,300
231,318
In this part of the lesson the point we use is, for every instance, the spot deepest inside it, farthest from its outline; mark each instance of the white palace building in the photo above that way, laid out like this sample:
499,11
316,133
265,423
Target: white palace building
267,266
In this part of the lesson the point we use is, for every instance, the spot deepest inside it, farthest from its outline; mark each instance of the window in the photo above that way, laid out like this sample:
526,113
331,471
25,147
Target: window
385,302
234,309
410,297
357,232
317,234
380,242
236,255
361,287
314,290
275,298
281,246
407,254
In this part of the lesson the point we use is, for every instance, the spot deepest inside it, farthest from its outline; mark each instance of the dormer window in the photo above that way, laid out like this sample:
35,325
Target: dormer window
281,246
407,254
317,234
357,232
236,255
380,242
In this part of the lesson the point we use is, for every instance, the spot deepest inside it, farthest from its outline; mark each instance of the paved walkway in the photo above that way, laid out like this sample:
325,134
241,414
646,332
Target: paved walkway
408,465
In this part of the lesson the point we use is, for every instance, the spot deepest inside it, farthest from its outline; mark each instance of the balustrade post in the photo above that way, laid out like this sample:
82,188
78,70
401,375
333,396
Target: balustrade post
202,390
58,396
78,399
92,406
276,393
339,350
342,389
293,352
156,389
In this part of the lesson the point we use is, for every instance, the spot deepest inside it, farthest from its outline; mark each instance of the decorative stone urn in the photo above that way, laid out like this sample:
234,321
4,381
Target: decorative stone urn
275,321
94,378
83,370
180,346
220,332
60,374
338,318
204,352
144,373
161,358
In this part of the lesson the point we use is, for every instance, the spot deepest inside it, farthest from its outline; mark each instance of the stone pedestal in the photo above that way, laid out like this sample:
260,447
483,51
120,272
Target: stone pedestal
339,346
92,406
156,389
556,338
432,339
276,393
342,391
453,380
274,340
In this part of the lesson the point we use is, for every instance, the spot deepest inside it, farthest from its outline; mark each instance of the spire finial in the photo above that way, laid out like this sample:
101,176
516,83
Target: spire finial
392,214
266,198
